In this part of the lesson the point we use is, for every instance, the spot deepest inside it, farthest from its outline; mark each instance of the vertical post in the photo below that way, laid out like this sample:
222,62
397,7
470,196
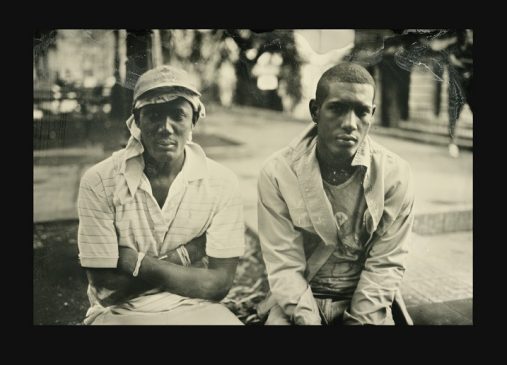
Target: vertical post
156,48
165,43
118,108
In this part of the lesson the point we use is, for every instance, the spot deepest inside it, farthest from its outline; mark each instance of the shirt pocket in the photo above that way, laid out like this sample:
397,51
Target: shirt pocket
190,223
136,231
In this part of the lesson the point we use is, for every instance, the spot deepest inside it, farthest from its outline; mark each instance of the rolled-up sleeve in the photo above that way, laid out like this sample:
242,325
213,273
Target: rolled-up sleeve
283,252
385,264
97,238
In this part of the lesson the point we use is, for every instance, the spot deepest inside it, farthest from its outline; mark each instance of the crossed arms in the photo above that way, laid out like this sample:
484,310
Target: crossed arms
110,266
197,281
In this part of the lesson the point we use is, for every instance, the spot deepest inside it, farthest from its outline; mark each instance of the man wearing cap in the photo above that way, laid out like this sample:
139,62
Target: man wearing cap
160,224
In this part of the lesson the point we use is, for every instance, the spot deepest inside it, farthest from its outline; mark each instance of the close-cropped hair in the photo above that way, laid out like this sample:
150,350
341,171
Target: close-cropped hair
342,72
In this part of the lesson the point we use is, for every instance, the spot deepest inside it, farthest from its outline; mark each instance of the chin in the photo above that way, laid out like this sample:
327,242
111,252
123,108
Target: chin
344,153
169,155
162,156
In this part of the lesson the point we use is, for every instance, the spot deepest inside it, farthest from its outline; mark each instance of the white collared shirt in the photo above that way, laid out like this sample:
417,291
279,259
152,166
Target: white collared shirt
116,207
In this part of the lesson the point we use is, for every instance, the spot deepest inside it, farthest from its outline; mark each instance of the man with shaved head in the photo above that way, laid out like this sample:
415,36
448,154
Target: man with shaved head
335,213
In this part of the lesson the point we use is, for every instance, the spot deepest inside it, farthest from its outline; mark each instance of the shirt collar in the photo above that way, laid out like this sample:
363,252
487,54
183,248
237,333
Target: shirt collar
306,142
363,154
134,146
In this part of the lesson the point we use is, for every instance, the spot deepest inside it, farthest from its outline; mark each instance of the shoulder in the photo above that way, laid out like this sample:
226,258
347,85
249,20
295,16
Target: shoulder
284,158
222,183
277,161
392,163
220,173
106,169
396,173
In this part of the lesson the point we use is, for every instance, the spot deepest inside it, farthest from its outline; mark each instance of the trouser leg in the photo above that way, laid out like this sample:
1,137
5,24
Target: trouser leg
196,314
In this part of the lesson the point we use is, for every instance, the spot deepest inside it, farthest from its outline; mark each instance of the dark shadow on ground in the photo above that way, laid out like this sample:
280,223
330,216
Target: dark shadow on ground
59,294
59,283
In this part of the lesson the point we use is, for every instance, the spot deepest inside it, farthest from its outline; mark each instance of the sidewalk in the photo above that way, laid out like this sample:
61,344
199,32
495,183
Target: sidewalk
444,186
440,265
438,285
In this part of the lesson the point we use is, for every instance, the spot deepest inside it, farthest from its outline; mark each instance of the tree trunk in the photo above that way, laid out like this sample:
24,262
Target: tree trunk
138,59
43,41
394,92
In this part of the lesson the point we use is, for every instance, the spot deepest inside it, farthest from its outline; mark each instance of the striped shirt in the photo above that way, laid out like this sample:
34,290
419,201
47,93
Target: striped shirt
116,207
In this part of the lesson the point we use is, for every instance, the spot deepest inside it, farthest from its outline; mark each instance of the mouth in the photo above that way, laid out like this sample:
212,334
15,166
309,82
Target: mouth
346,139
166,144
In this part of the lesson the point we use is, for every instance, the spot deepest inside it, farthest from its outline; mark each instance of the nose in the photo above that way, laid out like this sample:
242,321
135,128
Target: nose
167,125
349,122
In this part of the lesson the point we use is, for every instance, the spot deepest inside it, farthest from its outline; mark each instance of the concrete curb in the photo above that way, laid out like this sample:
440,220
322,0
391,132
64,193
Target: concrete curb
421,136
425,224
443,222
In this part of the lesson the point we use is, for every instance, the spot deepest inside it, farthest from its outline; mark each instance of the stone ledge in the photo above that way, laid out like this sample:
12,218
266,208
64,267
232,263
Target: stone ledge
443,222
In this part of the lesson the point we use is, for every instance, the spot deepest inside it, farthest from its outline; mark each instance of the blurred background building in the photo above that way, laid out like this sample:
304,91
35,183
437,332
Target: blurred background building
88,75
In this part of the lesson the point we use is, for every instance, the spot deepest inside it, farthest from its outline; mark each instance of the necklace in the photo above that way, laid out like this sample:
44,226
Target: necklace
336,176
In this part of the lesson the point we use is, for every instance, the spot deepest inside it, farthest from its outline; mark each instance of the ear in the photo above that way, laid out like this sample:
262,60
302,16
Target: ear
314,110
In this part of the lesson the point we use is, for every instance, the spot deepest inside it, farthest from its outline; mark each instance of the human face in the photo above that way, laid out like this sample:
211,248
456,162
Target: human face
165,129
343,120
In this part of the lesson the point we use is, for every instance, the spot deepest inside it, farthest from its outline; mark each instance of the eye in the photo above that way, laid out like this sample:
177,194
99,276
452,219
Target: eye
154,115
339,108
362,112
179,115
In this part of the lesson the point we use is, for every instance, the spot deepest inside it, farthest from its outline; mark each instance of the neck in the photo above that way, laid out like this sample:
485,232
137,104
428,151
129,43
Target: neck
157,168
326,159
334,171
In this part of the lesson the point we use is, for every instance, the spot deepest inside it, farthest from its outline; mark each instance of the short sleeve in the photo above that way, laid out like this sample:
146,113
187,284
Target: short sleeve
225,236
97,238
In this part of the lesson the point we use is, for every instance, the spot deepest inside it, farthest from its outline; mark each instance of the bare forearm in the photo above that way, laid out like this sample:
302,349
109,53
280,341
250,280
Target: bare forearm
114,287
211,284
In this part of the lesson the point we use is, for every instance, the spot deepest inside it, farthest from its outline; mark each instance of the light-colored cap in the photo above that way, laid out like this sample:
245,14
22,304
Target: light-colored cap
163,76
163,84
